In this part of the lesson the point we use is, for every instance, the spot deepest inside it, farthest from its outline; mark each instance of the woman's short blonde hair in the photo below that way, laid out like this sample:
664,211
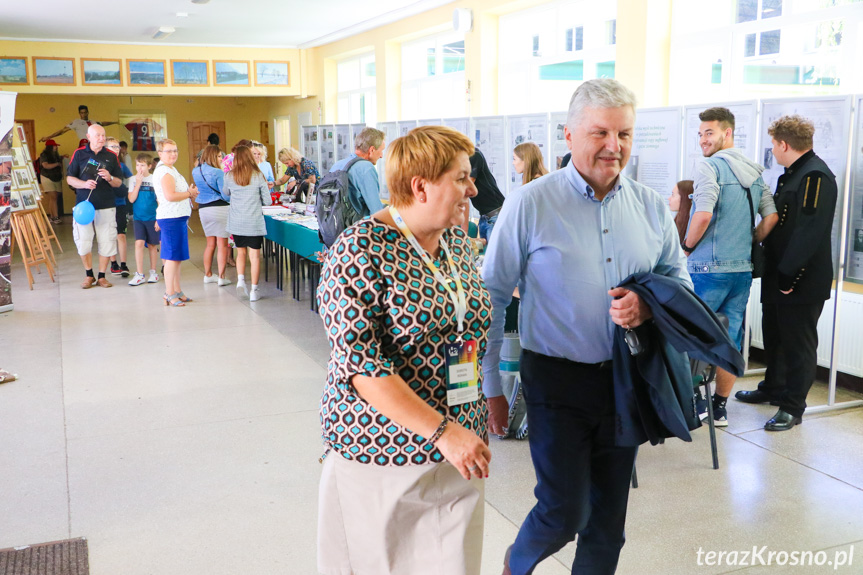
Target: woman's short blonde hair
160,145
261,147
427,152
292,155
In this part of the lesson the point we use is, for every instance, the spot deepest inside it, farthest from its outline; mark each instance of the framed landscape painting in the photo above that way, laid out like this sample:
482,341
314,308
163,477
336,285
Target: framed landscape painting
99,72
54,71
146,72
13,71
272,74
231,73
189,73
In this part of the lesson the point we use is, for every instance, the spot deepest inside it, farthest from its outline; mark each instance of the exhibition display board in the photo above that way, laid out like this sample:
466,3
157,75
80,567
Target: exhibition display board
327,137
7,159
344,148
854,256
745,132
311,141
521,129
655,157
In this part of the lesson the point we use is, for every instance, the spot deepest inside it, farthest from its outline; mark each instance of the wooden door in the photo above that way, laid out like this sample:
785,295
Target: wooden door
197,133
30,133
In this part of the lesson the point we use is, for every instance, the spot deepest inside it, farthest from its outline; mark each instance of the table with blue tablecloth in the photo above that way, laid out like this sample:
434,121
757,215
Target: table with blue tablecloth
301,245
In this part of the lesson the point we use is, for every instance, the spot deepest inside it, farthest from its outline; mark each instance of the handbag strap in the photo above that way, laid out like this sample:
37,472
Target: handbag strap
203,177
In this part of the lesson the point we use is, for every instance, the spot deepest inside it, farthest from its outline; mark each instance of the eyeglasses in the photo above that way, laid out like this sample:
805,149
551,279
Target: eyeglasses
174,151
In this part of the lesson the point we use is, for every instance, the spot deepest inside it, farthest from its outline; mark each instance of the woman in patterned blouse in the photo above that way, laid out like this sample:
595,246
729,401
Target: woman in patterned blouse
403,422
302,170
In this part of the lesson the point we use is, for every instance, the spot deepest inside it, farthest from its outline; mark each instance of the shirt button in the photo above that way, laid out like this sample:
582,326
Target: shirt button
608,260
605,231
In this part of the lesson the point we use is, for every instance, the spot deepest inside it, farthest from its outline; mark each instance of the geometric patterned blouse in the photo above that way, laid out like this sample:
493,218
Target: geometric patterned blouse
385,314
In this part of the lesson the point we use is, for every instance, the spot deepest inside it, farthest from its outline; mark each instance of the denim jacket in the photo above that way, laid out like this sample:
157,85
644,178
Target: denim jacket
727,243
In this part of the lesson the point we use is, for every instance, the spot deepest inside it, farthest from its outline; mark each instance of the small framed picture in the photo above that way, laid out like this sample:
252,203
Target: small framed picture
231,73
28,198
54,71
190,73
101,72
13,71
6,166
22,135
146,72
18,159
272,73
15,201
21,178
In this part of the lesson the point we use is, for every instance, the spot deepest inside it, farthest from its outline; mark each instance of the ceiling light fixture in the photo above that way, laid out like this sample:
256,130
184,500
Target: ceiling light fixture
163,32
200,1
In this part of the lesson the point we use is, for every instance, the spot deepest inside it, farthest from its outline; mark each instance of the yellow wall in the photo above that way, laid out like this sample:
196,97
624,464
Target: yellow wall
242,116
167,53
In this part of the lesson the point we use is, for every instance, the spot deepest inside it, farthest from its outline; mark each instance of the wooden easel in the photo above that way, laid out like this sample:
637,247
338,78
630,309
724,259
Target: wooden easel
49,232
31,242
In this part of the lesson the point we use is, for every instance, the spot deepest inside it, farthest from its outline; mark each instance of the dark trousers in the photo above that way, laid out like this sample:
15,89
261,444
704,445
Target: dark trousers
791,350
582,477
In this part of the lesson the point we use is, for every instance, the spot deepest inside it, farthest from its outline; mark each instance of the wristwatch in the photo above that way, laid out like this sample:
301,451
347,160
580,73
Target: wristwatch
686,248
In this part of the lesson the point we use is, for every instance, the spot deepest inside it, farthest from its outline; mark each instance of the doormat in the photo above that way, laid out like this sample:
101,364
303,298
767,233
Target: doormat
67,557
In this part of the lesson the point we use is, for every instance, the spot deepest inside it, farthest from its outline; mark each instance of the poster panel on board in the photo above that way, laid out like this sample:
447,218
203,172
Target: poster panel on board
655,157
391,132
328,148
460,124
526,128
344,147
489,136
557,148
855,229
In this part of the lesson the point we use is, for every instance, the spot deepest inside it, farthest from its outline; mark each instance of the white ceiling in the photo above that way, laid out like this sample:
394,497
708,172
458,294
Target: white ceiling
243,23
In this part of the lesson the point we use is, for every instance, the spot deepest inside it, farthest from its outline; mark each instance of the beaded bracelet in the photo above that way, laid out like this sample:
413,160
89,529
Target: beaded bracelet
439,431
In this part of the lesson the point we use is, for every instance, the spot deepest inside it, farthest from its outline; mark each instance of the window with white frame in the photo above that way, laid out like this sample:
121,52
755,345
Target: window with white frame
546,52
357,92
433,79
765,48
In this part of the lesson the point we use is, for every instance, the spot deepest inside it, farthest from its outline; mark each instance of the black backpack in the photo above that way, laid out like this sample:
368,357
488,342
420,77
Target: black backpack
333,209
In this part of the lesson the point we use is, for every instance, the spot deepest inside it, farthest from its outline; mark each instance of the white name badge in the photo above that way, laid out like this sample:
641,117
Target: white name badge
462,381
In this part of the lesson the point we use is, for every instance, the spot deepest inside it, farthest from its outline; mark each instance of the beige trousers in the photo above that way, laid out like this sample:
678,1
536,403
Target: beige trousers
412,520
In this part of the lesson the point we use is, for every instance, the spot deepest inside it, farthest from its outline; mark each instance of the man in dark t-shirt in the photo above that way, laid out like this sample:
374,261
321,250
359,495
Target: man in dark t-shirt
94,173
488,199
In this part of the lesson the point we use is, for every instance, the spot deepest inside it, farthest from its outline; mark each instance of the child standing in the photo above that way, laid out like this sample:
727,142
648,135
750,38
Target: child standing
247,188
143,199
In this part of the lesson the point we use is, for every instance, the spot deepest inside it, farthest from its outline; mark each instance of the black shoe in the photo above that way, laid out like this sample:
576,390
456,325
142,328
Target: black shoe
782,421
124,270
115,269
756,396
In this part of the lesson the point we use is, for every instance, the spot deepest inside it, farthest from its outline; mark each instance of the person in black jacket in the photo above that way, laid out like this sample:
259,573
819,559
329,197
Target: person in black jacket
799,272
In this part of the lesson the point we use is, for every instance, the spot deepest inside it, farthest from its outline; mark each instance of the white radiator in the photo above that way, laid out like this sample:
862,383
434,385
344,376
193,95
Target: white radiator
850,336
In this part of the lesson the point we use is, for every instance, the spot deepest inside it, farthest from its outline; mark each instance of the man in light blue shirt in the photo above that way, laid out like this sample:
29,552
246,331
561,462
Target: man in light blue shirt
364,190
566,240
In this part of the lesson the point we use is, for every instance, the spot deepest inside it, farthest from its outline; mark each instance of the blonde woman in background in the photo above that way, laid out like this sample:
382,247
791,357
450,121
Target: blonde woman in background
259,151
527,161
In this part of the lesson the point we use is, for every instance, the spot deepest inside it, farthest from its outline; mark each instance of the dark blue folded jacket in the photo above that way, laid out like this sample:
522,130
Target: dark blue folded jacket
653,392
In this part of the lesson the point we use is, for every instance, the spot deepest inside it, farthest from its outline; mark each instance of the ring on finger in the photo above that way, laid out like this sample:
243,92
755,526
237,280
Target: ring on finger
472,468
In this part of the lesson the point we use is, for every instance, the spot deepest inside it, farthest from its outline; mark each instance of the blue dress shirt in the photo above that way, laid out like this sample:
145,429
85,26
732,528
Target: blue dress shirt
364,191
565,250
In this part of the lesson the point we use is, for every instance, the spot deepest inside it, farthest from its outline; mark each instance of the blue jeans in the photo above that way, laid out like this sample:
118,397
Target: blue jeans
486,225
728,294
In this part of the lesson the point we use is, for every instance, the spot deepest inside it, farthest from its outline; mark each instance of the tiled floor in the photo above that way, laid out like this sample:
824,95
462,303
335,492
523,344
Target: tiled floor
185,441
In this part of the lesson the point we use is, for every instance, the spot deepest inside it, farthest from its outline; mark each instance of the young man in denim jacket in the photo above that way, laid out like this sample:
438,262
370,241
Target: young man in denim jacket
719,239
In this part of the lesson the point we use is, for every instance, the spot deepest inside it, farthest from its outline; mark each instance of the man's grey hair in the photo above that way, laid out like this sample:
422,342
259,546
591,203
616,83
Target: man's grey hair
599,93
367,138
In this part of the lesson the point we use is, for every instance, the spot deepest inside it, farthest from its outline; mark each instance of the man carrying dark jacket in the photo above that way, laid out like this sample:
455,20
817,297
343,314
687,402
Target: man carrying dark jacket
799,272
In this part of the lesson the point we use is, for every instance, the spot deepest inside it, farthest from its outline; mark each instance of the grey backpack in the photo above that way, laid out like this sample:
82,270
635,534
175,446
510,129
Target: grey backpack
333,208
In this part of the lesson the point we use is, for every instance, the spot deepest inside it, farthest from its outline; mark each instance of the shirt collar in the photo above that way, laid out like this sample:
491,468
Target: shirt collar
798,163
582,187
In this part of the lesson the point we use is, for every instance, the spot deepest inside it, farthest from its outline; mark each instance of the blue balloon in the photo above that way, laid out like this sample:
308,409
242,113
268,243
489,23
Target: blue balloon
84,212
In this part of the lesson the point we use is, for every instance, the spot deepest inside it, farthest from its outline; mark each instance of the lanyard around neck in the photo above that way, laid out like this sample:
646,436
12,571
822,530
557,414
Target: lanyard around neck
459,300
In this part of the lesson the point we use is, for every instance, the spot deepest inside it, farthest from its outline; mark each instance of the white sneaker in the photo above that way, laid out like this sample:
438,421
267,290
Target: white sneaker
137,280
224,282
211,279
154,277
254,295
242,289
